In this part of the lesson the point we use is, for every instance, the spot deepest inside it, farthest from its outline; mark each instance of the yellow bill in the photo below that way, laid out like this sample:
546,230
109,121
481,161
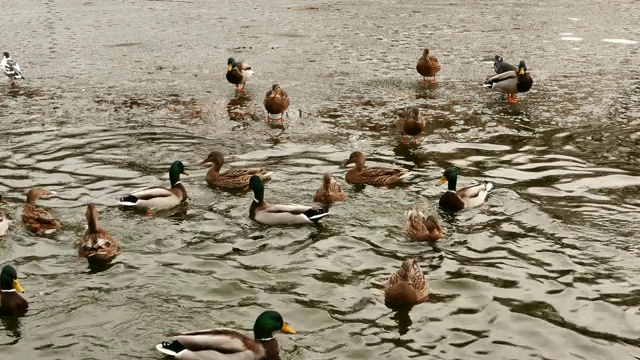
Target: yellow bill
185,172
521,70
286,329
229,67
442,181
16,285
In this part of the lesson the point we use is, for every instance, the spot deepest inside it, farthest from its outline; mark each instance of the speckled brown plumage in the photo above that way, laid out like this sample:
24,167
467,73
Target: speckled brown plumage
407,287
377,176
230,179
330,191
428,66
421,228
97,245
276,101
37,219
410,122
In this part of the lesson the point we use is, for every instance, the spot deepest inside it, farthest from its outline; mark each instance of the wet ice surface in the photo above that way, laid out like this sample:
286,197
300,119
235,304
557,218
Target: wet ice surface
115,91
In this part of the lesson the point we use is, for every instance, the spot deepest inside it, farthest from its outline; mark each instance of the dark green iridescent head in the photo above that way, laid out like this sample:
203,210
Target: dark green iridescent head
522,67
175,171
255,184
267,323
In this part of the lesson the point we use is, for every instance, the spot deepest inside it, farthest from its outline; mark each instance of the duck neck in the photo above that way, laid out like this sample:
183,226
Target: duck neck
174,178
452,183
92,222
258,195
359,164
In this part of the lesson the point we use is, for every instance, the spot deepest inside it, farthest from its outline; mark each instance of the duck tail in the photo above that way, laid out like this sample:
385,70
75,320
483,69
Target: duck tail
170,348
488,186
316,214
128,200
488,84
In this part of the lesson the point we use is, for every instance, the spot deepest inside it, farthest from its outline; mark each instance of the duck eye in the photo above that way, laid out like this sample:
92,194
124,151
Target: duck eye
107,244
86,247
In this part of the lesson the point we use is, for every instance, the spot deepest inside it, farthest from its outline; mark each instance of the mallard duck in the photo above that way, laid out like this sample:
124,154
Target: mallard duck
269,214
421,228
276,101
410,122
10,301
238,73
160,198
511,82
4,222
407,287
11,68
97,245
500,66
330,191
37,219
377,176
229,344
428,66
230,179
468,197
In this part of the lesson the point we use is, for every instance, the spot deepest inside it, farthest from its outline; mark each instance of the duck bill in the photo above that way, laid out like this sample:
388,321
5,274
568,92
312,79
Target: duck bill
344,164
3,201
229,67
246,188
521,70
16,285
202,162
185,172
286,329
441,181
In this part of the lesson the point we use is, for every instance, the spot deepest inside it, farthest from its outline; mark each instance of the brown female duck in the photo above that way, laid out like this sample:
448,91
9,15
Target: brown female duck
97,245
276,101
407,287
330,191
37,219
377,176
421,228
428,66
410,122
229,344
11,302
230,179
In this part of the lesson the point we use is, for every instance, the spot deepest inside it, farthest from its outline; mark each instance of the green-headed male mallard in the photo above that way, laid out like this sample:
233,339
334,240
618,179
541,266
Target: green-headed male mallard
410,122
4,222
230,179
276,101
269,214
377,176
38,219
330,191
160,198
511,82
468,197
421,228
238,73
10,301
407,287
428,66
229,344
97,245
500,66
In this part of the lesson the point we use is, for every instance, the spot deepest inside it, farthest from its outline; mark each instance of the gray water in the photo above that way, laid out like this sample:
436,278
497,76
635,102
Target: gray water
546,269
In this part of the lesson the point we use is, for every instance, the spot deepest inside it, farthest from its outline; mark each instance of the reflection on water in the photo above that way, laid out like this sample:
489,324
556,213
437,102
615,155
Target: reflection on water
547,268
